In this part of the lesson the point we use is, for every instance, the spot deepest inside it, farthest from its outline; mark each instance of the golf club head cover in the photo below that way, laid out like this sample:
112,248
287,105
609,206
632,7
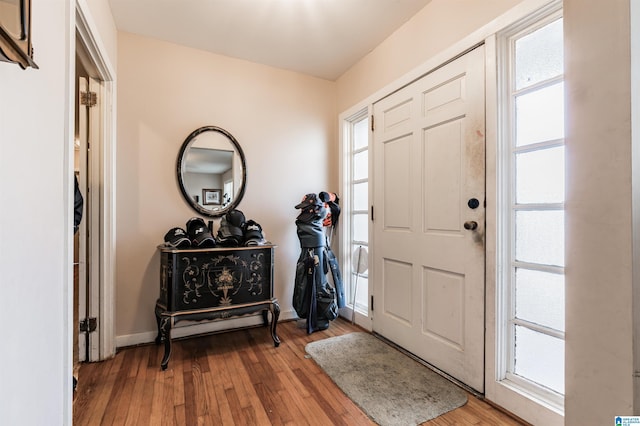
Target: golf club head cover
312,209
331,202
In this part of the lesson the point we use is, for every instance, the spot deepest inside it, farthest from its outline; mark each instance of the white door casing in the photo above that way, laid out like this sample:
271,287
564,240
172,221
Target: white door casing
83,122
103,82
429,162
93,213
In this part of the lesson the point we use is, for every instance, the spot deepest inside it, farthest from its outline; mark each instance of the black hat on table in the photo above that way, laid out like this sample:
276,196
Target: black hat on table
199,233
235,218
253,235
177,238
230,233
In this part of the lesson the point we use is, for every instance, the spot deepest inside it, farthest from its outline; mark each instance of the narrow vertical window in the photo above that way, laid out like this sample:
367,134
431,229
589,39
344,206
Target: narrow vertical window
357,172
532,231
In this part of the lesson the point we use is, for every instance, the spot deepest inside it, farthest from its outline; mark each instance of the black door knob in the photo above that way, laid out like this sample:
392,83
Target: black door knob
471,225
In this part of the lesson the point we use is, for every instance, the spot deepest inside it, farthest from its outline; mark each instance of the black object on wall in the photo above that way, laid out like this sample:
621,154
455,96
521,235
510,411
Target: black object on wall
15,34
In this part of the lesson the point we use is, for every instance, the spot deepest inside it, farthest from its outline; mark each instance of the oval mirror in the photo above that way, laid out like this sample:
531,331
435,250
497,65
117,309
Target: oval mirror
212,171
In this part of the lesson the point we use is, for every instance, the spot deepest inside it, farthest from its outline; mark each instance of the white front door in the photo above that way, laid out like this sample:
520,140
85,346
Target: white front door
429,182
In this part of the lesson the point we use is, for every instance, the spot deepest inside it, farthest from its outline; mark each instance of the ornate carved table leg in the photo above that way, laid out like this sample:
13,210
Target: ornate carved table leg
165,327
158,311
274,322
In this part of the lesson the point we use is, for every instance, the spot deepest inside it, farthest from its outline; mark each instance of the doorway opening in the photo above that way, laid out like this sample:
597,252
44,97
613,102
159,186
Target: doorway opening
93,165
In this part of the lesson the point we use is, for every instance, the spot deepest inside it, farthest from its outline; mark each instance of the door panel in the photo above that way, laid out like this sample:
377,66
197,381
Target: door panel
444,321
397,276
397,181
442,173
428,158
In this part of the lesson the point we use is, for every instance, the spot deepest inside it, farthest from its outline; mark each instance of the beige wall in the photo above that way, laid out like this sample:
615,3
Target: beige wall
436,27
599,357
284,121
36,217
36,166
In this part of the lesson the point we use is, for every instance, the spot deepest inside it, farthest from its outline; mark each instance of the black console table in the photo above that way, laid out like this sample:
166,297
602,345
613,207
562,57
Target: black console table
211,284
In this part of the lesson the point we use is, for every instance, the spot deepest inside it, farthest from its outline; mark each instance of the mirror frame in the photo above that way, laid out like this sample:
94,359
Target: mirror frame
17,48
181,157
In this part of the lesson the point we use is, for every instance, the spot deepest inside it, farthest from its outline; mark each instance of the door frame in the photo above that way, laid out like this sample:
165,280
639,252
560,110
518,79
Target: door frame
485,34
81,233
102,218
361,318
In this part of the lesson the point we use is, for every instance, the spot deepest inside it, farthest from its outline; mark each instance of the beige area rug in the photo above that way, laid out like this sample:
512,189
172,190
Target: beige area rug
390,387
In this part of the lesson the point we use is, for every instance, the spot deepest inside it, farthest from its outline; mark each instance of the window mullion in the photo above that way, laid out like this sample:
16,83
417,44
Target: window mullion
359,150
552,269
538,206
539,85
539,328
538,146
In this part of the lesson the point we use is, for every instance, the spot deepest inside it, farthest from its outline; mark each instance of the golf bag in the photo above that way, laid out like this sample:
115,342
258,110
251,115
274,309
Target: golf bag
313,298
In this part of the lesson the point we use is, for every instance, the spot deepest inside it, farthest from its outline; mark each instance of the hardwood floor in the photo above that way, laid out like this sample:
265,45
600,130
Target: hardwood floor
234,378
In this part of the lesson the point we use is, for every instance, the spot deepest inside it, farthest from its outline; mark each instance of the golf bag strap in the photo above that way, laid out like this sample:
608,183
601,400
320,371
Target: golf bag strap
311,281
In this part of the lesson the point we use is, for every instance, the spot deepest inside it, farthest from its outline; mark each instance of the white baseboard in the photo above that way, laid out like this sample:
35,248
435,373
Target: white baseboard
192,328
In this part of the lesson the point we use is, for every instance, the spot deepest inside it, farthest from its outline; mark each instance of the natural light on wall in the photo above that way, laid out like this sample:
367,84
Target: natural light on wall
532,231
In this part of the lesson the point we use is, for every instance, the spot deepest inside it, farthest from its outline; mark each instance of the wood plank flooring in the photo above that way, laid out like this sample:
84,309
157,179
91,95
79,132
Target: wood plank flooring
233,378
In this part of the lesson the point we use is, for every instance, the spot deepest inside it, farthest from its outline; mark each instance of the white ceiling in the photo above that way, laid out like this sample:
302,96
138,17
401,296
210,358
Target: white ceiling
322,38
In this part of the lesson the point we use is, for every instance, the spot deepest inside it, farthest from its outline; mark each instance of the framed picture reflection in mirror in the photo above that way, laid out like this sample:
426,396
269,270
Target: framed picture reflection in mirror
211,197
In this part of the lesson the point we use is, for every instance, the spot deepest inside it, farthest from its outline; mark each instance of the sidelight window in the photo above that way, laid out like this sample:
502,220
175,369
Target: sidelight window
356,143
532,208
